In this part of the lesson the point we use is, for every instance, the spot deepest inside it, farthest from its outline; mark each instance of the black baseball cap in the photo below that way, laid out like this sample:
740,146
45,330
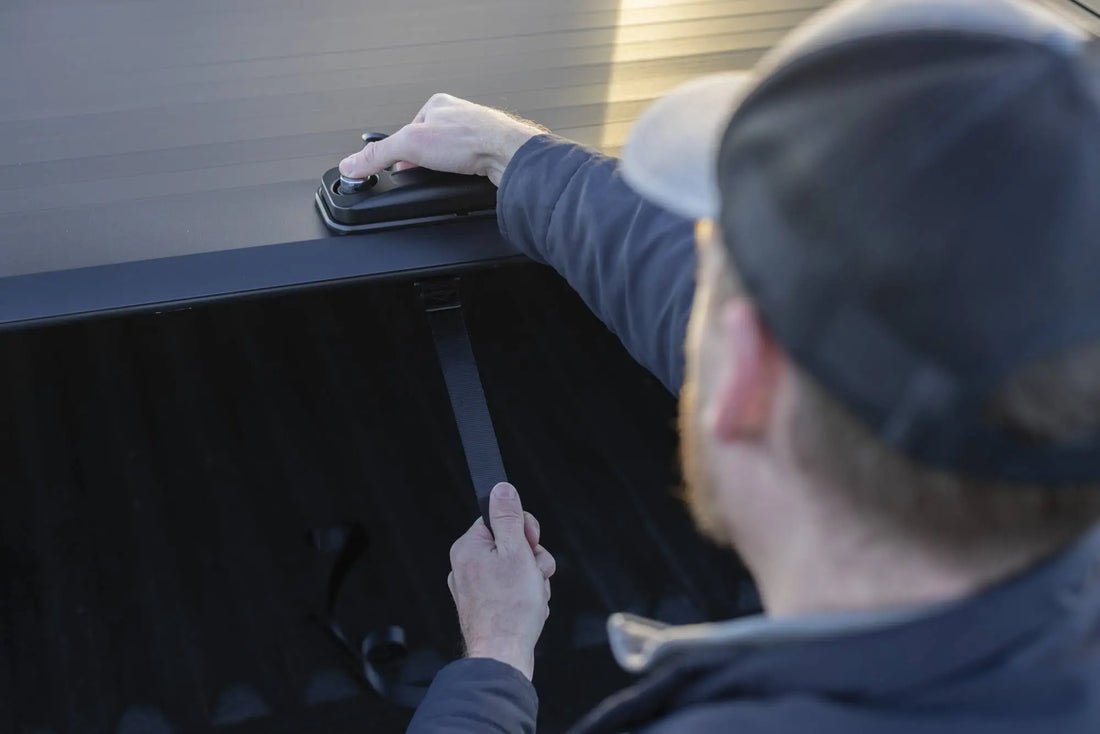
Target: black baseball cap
910,194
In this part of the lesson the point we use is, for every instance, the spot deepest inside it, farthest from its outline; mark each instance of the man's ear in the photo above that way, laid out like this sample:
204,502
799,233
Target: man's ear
748,380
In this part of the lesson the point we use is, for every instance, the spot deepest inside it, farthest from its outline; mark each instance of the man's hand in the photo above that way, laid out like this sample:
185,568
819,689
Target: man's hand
501,583
448,134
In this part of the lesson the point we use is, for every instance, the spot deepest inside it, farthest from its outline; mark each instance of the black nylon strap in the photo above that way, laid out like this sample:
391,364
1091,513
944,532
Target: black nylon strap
460,373
381,654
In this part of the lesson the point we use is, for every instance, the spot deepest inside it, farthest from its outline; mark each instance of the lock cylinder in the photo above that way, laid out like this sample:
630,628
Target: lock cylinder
349,186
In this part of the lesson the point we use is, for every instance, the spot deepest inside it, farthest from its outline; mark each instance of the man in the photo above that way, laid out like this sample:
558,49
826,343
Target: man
892,397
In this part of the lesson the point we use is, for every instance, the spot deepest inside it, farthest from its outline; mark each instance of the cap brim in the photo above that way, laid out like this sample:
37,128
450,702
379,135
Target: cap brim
671,154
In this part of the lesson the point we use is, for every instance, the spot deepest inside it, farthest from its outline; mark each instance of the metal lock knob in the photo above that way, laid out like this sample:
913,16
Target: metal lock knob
348,185
351,185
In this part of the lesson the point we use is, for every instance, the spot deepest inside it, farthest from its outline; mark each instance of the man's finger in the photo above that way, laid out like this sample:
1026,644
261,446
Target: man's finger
545,562
473,540
479,534
506,517
436,100
531,529
377,156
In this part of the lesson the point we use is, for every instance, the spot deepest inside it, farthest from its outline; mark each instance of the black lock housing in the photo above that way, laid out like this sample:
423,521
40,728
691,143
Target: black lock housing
402,198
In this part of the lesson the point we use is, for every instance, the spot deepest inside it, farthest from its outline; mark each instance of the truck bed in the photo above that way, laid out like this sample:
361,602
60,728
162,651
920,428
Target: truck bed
164,475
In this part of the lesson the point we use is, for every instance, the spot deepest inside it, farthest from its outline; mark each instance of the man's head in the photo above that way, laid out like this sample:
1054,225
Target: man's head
894,355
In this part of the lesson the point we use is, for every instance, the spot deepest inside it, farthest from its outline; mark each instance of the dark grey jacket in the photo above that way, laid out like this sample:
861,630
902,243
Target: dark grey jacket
1021,657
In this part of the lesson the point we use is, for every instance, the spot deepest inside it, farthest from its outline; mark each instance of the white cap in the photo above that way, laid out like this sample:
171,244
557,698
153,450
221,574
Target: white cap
671,154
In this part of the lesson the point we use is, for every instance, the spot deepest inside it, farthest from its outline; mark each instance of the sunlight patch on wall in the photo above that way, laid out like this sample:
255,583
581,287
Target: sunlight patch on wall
658,44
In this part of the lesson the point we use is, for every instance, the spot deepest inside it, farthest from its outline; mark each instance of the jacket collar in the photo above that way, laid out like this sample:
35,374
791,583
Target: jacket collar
639,644
1066,584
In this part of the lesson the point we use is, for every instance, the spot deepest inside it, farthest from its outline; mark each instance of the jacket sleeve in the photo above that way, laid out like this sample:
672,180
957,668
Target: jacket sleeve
477,695
632,262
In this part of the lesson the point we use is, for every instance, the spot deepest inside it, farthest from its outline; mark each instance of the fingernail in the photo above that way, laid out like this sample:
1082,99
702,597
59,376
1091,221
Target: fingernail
505,491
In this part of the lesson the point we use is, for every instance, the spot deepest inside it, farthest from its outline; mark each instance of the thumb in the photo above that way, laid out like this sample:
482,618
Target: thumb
506,518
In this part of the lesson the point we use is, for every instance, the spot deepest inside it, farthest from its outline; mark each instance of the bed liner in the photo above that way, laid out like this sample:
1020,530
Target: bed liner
163,474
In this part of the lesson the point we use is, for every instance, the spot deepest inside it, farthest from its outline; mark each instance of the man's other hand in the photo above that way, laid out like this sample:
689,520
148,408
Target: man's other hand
501,583
448,134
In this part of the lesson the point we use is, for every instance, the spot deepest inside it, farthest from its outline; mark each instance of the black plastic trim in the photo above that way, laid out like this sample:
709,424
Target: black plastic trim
186,280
